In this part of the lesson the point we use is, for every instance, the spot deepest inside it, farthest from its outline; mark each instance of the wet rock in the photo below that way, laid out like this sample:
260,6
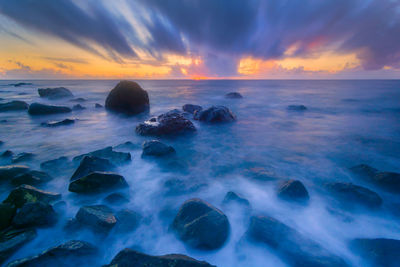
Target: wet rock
381,252
78,107
7,212
55,93
11,240
295,248
127,145
128,97
26,193
79,99
297,108
232,197
19,84
97,217
7,154
364,170
35,214
200,225
170,123
233,95
1,143
191,108
156,149
58,123
260,174
176,187
24,156
42,109
389,181
108,153
293,190
215,114
9,172
91,164
13,106
97,182
54,163
72,252
132,258
97,105
116,199
31,178
127,220
351,195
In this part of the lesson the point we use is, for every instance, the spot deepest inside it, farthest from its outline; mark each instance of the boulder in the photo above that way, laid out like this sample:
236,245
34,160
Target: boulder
97,217
156,149
26,193
292,246
91,164
297,108
11,240
388,181
24,156
189,108
97,182
116,199
7,154
72,252
233,95
7,212
108,153
201,225
31,178
127,220
42,109
351,195
97,105
128,97
13,106
364,170
233,198
78,107
128,145
54,164
55,93
381,252
35,214
170,123
215,114
293,190
9,172
132,258
58,123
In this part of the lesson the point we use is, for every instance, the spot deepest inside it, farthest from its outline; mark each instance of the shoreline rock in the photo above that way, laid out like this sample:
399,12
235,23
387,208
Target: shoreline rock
14,105
190,108
26,193
12,240
293,190
233,95
215,114
97,182
55,93
91,164
155,148
42,109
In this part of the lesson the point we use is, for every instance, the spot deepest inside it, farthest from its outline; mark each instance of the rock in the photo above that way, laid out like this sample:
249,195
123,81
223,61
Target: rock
170,123
156,149
295,248
97,182
297,107
55,93
7,154
116,199
260,174
24,156
35,214
127,220
91,164
128,97
389,181
58,123
78,107
72,252
7,212
11,240
108,153
1,143
31,178
293,190
364,170
9,172
97,217
215,114
127,145
200,225
132,258
26,193
19,84
176,187
97,105
352,195
191,108
13,106
232,197
381,252
79,99
42,109
233,95
54,163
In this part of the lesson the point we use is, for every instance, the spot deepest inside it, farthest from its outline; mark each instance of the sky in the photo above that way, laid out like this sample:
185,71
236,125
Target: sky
199,39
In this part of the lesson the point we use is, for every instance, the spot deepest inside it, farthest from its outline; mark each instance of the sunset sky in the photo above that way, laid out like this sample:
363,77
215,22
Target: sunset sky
196,39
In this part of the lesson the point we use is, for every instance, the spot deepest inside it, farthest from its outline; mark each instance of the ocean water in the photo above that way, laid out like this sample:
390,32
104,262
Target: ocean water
346,123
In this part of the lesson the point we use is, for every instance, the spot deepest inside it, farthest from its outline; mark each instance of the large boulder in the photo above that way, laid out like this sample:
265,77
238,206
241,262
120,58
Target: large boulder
26,193
9,172
215,114
201,225
128,97
55,93
381,252
96,217
31,178
91,164
73,252
296,249
13,106
156,149
170,123
35,214
233,198
42,109
190,108
107,153
97,182
132,258
293,190
233,95
11,240
7,212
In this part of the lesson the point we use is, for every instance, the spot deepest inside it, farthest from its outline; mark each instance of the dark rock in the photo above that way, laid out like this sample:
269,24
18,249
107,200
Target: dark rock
31,178
389,181
22,93
191,108
11,240
7,212
58,123
1,143
233,95
156,149
7,154
9,172
19,84
97,217
132,258
97,105
364,170
73,252
352,195
201,225
128,97
42,109
55,93
91,164
179,187
24,156
13,106
116,199
35,214
295,248
108,153
127,145
78,107
293,190
232,197
297,107
215,114
380,252
79,99
26,193
127,220
169,123
97,182
54,163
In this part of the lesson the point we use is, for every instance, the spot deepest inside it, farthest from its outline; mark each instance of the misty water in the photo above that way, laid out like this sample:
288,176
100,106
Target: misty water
346,123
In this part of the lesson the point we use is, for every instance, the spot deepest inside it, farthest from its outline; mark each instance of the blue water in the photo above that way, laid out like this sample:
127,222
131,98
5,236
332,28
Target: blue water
346,123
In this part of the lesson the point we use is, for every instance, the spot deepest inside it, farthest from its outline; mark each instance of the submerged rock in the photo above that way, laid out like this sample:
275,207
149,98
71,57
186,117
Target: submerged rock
189,108
26,193
7,154
24,156
78,107
11,240
108,153
128,145
97,217
9,172
293,190
127,220
157,149
97,105
379,251
13,106
297,107
54,163
201,225
7,212
55,93
232,197
260,174
388,181
58,123
42,109
19,84
215,114
97,182
35,214
116,199
233,95
79,99
128,97
132,258
91,164
364,170
179,187
31,178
